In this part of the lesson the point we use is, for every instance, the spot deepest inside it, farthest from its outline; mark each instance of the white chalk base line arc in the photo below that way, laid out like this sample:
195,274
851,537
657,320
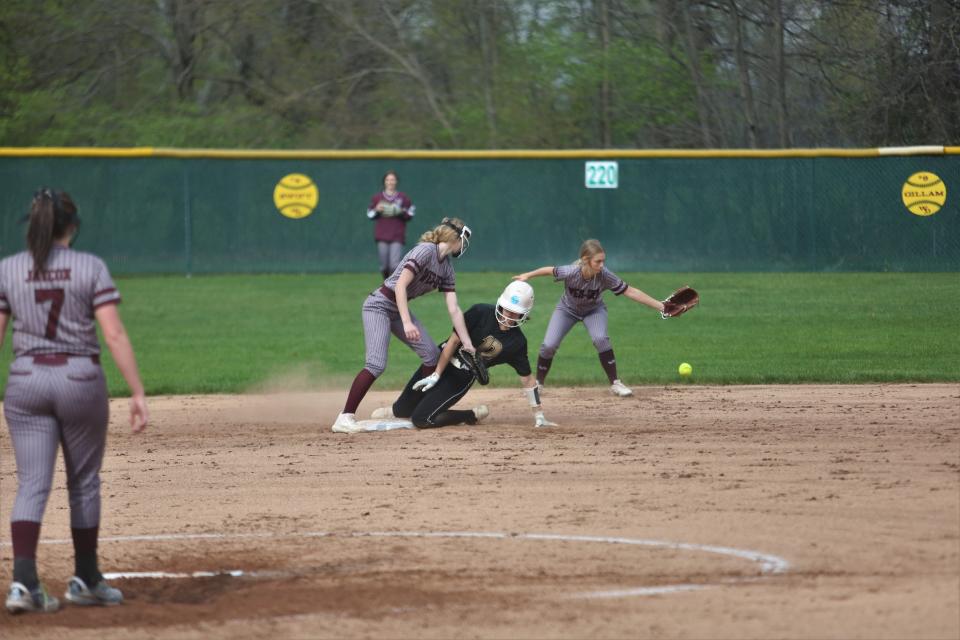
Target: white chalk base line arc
769,564
129,575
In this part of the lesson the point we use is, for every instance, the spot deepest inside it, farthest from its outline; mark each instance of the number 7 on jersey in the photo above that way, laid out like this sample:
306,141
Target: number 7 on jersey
55,297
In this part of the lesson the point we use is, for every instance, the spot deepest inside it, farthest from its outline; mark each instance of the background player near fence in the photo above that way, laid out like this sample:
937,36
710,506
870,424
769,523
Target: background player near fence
56,394
425,268
584,283
392,210
495,330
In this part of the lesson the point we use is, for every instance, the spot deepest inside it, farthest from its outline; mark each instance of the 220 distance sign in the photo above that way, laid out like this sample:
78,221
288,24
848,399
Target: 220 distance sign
601,174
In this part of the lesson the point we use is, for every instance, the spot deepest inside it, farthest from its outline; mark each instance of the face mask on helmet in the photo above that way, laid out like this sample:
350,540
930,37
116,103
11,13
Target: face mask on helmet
463,233
517,297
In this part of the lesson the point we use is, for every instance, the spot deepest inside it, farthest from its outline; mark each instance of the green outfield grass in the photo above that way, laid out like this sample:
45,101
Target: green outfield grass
226,334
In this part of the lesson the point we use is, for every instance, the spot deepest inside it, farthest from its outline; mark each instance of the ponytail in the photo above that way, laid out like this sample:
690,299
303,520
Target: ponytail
52,213
446,231
431,236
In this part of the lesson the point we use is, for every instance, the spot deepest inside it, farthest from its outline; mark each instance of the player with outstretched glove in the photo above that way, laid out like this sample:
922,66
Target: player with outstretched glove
584,283
495,332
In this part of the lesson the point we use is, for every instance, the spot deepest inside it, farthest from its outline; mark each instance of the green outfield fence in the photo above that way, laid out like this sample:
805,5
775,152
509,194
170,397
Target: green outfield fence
152,210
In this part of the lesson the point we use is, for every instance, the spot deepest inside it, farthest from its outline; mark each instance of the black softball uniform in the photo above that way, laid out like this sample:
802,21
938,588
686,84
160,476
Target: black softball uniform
432,408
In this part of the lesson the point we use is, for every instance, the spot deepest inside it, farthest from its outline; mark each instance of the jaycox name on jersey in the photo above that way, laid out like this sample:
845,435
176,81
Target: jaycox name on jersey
41,275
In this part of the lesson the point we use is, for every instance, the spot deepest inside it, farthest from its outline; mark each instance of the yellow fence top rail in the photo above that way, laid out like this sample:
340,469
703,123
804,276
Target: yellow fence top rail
307,154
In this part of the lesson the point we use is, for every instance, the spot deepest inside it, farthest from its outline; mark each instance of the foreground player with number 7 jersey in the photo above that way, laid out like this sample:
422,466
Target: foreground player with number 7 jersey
57,395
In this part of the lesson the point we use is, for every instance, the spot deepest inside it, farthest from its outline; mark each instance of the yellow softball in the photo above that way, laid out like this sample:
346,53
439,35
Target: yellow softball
685,369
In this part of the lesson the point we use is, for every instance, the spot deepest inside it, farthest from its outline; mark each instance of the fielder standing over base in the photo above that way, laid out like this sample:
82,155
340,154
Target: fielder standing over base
392,210
57,394
584,283
425,267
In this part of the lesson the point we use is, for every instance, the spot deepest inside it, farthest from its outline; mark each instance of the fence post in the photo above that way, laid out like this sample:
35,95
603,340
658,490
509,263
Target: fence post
812,212
187,221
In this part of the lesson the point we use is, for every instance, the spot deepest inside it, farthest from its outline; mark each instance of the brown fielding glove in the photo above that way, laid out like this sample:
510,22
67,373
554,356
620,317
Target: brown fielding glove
476,364
679,302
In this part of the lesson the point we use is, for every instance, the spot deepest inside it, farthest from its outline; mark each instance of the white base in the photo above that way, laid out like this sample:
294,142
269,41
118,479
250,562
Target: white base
385,424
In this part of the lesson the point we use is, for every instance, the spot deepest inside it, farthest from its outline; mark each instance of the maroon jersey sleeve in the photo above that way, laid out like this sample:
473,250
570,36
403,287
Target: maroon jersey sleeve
449,282
104,290
406,207
419,257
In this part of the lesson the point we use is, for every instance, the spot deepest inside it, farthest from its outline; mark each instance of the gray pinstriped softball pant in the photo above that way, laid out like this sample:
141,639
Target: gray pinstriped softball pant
563,320
47,406
390,253
380,319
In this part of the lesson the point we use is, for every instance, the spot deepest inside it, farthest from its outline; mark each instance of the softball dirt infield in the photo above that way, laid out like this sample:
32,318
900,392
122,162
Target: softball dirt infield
683,512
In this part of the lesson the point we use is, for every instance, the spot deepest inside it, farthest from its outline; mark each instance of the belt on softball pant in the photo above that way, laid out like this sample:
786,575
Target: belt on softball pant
388,293
60,359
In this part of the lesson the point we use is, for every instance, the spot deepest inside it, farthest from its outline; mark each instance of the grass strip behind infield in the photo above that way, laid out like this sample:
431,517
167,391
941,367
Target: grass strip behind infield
229,334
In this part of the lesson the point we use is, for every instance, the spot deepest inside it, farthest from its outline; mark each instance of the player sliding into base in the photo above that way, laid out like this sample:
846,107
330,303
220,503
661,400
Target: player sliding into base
584,283
426,401
425,267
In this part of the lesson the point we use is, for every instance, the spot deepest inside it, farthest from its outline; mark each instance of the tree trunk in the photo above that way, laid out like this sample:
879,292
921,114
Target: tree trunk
183,17
666,23
780,74
488,46
743,72
605,107
696,75
943,62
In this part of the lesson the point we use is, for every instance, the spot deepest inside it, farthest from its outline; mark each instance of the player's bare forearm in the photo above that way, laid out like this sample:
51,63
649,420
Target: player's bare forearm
117,341
115,335
542,271
639,296
456,316
400,293
446,354
122,352
461,327
4,321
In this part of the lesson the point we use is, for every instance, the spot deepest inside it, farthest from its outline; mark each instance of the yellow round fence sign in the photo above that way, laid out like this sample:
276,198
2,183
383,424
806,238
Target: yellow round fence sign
924,193
296,196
